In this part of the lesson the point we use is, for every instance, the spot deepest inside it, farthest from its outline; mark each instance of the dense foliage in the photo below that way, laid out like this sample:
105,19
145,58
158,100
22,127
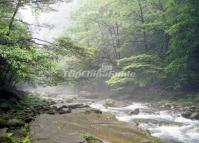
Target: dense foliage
156,39
25,59
20,59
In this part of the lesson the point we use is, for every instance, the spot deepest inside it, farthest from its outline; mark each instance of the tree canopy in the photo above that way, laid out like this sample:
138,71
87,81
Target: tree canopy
156,39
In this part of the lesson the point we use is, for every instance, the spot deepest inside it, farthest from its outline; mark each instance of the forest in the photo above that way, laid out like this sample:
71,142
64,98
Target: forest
157,41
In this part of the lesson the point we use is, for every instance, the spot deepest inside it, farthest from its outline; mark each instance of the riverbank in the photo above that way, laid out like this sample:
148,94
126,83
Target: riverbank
74,127
17,110
159,118
22,116
165,123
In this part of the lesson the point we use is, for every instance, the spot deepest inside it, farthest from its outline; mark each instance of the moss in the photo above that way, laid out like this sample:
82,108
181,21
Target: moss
90,139
10,138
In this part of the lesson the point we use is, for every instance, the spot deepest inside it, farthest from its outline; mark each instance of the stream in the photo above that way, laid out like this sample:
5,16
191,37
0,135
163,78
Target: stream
164,124
168,125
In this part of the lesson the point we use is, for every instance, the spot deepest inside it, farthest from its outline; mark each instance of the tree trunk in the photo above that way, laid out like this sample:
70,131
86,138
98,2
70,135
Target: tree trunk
143,21
13,16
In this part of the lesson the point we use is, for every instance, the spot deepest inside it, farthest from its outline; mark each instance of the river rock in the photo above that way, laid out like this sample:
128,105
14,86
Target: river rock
54,107
186,114
134,112
191,113
96,111
71,106
74,106
28,118
64,110
52,112
193,108
195,116
51,102
15,123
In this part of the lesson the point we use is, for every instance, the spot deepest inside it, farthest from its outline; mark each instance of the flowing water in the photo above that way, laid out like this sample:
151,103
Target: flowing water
164,124
167,125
